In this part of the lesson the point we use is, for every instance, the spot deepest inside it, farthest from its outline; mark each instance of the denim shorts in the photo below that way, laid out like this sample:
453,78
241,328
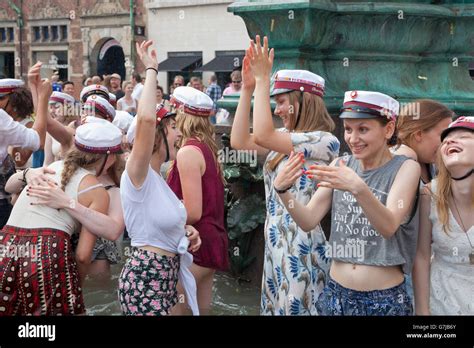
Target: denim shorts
338,300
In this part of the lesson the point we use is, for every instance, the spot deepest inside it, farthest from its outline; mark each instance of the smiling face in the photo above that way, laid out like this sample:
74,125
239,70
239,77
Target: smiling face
284,109
172,136
457,149
366,137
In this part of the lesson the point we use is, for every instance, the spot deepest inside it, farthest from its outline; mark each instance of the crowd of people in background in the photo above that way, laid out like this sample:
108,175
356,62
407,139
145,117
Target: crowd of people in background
75,175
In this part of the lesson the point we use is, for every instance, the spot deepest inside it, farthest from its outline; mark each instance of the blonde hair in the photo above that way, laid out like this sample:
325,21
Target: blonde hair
200,128
313,116
77,159
420,115
443,192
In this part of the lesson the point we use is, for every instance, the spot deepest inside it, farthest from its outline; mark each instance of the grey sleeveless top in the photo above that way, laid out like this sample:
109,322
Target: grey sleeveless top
354,240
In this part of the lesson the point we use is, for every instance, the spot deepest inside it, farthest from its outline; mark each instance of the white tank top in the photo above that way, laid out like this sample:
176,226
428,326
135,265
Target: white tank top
56,149
25,215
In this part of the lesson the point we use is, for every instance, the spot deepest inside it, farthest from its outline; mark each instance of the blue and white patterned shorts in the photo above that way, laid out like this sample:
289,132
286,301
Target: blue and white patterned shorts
338,300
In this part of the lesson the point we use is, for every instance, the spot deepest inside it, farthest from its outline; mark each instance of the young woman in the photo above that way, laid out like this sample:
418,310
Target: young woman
196,178
127,103
444,286
17,101
61,108
374,212
294,271
47,278
105,251
419,127
154,216
160,97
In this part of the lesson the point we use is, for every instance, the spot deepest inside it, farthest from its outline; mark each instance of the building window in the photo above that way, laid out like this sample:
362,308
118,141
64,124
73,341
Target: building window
45,33
11,35
36,34
54,33
63,32
7,34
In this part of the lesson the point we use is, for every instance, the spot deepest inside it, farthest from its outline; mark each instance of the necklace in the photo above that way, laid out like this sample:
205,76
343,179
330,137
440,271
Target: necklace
471,255
464,176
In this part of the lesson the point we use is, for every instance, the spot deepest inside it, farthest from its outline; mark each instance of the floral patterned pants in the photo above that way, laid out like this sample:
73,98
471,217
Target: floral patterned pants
147,284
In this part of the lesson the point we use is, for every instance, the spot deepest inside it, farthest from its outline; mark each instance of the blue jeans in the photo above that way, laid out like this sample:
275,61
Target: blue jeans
338,300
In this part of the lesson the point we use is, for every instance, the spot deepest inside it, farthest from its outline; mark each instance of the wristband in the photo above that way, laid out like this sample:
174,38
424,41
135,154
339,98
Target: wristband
156,70
282,190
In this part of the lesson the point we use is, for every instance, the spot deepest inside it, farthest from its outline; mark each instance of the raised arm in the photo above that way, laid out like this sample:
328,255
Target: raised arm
306,216
44,92
139,159
422,265
240,137
265,135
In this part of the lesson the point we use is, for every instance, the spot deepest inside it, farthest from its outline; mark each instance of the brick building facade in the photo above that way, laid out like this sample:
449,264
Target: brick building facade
78,38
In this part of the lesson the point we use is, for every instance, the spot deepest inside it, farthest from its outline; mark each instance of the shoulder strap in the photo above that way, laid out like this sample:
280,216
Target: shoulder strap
90,188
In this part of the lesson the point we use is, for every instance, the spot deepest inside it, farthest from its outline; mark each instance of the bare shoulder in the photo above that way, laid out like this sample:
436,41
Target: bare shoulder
189,153
406,151
97,194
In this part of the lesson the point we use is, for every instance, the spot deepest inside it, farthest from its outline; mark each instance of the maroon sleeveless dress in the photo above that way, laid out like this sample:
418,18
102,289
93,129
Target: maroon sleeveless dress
213,252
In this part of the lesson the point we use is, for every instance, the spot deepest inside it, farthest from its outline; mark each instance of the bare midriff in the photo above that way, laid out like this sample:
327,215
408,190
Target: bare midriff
158,251
365,277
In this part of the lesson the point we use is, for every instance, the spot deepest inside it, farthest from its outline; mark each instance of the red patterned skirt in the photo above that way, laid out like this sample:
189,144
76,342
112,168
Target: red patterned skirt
38,273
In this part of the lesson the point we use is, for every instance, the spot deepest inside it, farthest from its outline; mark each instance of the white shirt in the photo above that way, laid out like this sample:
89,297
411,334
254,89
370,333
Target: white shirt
137,91
15,134
155,216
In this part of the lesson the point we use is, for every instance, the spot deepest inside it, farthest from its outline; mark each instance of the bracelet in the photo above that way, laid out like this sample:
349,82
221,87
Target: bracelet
24,175
156,70
282,190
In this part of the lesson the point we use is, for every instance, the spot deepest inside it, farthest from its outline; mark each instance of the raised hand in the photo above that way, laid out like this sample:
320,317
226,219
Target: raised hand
148,58
248,80
34,78
45,89
292,170
341,178
261,60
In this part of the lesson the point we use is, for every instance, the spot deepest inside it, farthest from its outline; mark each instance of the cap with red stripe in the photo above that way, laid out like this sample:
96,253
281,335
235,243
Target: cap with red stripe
8,86
98,136
462,122
62,98
100,107
297,80
112,99
94,90
367,104
192,101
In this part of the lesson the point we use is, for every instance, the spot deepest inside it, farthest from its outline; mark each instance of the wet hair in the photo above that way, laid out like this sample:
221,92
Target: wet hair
21,101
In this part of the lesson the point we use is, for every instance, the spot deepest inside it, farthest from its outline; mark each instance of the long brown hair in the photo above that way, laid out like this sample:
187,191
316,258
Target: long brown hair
313,116
199,128
419,115
443,191
77,159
